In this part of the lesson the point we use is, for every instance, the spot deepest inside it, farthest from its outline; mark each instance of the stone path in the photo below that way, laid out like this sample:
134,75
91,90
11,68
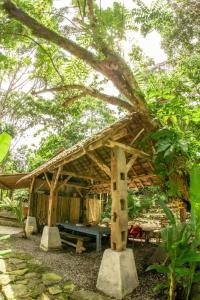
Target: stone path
9,230
23,277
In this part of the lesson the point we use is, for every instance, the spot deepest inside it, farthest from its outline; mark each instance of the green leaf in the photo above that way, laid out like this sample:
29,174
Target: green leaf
168,213
4,237
183,271
162,147
188,258
4,252
158,268
5,140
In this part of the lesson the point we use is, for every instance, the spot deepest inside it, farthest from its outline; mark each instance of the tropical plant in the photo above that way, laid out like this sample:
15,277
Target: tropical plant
180,242
5,140
16,207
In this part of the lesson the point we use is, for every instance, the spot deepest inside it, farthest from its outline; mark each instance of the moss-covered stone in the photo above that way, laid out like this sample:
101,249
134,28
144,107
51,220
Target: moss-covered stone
54,290
32,275
69,286
18,272
5,279
50,278
37,290
14,291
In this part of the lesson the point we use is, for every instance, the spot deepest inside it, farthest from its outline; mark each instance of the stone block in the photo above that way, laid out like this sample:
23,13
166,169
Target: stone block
50,239
117,274
31,225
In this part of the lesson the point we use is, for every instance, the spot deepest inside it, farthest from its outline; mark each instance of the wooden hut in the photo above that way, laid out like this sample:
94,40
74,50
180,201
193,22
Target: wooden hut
110,161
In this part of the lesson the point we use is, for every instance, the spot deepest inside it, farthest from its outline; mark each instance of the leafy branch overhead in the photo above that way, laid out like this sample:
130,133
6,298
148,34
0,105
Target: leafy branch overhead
102,58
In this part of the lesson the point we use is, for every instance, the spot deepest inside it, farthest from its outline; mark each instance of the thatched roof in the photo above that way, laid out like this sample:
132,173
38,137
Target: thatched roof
11,181
76,161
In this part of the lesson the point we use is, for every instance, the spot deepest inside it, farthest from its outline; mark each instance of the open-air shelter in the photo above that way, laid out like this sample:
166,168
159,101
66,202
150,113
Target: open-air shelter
118,157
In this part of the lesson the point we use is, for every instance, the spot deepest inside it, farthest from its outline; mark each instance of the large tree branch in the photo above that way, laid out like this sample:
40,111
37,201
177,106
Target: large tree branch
113,66
48,34
86,91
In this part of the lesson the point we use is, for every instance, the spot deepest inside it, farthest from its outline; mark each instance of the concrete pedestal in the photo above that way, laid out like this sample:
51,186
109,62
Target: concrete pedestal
31,225
50,239
117,275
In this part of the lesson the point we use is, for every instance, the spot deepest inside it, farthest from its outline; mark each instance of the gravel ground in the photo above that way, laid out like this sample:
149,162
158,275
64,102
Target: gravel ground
83,269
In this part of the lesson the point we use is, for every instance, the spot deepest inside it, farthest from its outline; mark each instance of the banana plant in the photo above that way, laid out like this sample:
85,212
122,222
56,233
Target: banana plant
181,246
5,140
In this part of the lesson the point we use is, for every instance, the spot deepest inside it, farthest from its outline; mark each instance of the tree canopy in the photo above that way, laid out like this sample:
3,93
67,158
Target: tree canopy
70,56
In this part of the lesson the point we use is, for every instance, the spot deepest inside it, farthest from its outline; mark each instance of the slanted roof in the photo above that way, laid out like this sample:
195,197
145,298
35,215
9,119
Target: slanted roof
11,181
79,160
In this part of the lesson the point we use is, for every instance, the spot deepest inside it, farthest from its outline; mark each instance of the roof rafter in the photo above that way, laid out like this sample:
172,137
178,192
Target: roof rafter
127,148
99,163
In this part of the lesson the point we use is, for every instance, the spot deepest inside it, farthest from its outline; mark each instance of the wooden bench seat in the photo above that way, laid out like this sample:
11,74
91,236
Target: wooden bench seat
66,237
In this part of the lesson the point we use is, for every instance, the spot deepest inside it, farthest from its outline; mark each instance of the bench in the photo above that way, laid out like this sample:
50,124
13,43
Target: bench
68,238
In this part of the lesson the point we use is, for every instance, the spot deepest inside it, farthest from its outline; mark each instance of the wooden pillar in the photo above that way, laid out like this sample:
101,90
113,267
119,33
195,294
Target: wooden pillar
53,198
11,195
119,222
31,199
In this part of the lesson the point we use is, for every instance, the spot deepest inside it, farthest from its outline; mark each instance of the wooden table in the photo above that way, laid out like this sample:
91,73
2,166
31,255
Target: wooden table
96,231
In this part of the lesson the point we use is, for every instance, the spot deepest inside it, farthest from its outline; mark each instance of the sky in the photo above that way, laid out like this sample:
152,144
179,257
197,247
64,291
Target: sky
151,46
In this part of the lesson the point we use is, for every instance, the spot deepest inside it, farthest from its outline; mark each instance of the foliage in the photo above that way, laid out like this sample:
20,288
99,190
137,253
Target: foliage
181,242
14,206
138,201
5,140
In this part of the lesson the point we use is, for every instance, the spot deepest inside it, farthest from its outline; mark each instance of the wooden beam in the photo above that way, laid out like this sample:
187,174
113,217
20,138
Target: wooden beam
77,175
136,177
137,136
79,192
53,198
40,185
131,162
127,148
119,221
99,163
31,198
64,182
71,157
47,180
77,186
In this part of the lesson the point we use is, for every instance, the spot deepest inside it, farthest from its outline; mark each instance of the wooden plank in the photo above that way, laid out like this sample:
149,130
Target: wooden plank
79,245
93,210
75,210
74,236
127,148
99,163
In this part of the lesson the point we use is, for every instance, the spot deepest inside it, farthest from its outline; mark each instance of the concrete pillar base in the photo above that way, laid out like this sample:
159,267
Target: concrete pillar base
50,239
117,275
31,225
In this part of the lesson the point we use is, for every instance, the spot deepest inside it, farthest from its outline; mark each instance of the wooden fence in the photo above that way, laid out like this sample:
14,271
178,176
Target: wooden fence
68,209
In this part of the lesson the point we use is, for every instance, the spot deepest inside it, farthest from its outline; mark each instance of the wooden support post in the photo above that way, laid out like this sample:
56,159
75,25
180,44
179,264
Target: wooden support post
119,224
31,199
53,198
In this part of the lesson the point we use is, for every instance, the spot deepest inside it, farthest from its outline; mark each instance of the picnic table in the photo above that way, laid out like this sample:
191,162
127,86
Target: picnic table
96,231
